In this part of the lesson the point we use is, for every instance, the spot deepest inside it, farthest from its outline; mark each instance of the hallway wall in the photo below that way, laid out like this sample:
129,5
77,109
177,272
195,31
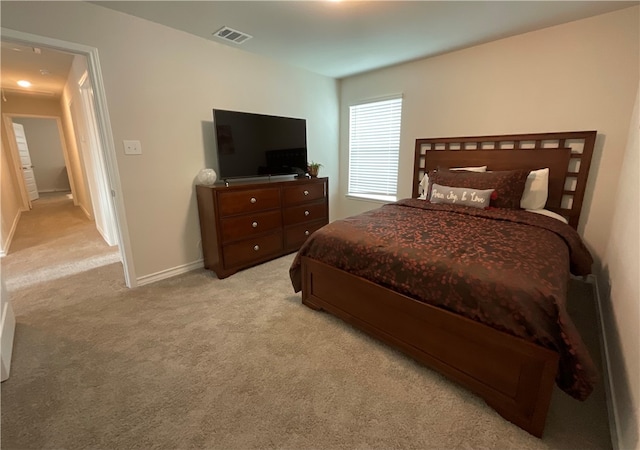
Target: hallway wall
40,106
10,200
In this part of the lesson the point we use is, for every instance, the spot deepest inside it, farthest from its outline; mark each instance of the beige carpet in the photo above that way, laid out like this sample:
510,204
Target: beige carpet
197,362
53,240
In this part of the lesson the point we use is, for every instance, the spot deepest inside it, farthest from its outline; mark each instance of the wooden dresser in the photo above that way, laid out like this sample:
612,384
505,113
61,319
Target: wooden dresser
247,224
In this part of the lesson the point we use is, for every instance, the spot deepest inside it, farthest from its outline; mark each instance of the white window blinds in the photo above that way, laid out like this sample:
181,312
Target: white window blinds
374,146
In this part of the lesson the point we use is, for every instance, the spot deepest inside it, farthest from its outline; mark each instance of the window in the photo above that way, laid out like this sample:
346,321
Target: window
374,146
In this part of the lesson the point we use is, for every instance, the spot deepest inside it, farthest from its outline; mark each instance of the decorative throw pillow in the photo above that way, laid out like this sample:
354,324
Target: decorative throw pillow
536,190
424,183
476,198
508,184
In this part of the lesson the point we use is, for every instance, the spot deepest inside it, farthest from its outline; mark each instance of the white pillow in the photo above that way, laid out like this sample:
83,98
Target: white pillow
424,183
536,190
546,212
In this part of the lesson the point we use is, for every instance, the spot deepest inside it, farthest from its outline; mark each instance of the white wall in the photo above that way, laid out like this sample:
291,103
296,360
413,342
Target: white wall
618,284
45,148
161,87
10,199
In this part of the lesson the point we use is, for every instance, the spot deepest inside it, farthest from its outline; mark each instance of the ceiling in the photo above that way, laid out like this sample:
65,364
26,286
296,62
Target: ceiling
342,38
46,69
332,38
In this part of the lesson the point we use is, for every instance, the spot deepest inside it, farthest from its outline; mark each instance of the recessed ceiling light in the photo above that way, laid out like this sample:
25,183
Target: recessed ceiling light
24,83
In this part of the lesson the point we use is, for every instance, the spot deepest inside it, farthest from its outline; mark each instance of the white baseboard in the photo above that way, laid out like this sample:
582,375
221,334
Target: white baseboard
168,273
105,236
612,408
52,191
84,210
7,243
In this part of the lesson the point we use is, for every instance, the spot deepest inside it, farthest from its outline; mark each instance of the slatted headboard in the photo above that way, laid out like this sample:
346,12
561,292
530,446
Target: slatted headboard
567,155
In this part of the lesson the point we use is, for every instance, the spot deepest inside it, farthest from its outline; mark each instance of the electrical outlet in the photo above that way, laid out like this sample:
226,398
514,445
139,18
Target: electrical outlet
132,147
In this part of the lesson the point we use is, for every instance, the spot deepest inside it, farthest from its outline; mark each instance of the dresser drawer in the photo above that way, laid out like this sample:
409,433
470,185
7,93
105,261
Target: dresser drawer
303,193
305,213
247,225
295,236
251,250
247,200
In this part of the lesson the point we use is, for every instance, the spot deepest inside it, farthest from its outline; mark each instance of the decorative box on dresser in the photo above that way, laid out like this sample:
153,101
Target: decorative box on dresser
246,224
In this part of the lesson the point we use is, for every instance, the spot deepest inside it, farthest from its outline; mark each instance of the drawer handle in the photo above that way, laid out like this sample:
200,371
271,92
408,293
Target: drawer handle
253,200
306,192
256,247
254,224
306,213
306,233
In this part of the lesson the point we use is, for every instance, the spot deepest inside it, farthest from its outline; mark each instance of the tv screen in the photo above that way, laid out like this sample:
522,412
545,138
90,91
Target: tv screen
254,145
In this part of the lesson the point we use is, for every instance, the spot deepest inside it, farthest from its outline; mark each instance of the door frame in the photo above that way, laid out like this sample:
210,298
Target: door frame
98,185
108,150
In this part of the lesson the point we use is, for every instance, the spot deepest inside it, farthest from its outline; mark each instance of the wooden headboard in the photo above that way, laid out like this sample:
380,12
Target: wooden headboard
567,155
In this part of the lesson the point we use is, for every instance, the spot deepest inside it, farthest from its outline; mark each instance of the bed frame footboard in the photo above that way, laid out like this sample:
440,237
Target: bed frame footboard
513,376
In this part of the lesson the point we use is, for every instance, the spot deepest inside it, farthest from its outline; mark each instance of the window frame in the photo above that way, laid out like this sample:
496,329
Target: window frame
358,188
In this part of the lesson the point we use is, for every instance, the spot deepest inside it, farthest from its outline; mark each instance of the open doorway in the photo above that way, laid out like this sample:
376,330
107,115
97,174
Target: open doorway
88,152
58,235
42,158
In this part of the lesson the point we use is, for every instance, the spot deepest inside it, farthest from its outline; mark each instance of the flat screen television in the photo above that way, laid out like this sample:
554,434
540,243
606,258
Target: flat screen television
257,145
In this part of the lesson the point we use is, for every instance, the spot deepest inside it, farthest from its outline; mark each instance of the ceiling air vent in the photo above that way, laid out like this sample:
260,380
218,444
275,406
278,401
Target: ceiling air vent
229,34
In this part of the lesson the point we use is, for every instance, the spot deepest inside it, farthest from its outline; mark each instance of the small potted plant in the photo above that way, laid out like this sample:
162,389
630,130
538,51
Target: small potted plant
313,168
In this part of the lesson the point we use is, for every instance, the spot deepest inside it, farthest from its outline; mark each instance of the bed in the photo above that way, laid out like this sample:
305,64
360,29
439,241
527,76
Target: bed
478,294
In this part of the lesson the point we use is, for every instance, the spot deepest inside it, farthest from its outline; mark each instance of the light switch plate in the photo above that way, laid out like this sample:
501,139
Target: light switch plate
132,147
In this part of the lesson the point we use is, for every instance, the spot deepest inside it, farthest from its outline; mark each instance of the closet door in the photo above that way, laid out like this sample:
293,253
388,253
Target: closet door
25,160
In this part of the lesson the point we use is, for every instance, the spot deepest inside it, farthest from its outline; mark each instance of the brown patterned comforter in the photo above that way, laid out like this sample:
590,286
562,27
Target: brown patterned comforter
506,268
